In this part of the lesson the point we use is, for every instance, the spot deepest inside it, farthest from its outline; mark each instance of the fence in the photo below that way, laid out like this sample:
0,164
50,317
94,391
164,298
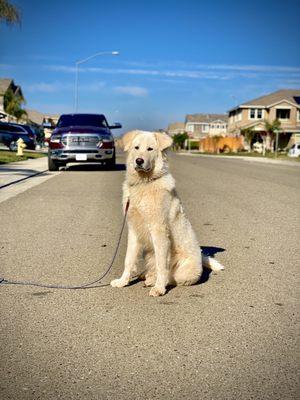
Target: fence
229,144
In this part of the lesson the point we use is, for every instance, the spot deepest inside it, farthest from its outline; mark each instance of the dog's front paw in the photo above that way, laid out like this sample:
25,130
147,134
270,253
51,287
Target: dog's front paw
155,291
118,283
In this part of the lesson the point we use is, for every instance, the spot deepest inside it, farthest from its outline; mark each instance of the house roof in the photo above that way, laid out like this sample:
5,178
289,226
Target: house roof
35,116
4,85
206,118
290,95
176,125
38,117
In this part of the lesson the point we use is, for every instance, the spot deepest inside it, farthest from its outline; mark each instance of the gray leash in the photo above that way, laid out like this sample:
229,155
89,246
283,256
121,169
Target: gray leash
88,285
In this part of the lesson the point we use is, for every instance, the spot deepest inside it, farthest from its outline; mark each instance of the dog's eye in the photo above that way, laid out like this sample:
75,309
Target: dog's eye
149,149
136,147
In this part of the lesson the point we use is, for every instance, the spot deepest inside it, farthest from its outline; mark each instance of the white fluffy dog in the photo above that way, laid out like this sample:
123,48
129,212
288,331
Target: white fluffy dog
158,229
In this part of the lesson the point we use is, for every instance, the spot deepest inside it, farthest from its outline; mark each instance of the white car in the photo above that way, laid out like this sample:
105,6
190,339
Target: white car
294,150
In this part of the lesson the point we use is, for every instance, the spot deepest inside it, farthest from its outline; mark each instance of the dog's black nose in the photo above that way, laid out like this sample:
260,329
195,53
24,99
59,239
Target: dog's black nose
139,161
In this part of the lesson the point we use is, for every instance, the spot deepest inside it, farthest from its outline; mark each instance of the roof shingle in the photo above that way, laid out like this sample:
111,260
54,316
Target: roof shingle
206,118
291,95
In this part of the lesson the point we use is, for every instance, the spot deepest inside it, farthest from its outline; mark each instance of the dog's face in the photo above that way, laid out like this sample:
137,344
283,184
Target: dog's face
145,151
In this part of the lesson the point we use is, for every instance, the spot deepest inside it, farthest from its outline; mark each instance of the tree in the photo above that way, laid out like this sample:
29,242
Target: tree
272,128
13,104
179,139
248,134
9,13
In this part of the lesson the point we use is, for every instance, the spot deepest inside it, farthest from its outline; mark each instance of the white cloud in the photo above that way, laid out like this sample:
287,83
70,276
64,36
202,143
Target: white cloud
54,87
131,90
194,71
43,87
253,68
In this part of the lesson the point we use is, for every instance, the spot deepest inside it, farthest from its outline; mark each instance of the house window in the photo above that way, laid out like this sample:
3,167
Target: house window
205,128
255,113
298,115
283,113
190,128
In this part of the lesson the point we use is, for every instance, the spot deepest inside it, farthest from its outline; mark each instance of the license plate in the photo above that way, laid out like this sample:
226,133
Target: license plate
81,157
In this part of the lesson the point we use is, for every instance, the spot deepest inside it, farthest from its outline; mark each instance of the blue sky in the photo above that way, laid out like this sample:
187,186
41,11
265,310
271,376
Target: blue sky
176,57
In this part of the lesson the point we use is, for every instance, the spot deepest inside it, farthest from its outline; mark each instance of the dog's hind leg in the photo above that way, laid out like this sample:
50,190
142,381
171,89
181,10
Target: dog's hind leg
186,272
133,249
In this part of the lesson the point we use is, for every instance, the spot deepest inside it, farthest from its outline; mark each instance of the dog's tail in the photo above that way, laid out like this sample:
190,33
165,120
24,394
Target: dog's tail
211,263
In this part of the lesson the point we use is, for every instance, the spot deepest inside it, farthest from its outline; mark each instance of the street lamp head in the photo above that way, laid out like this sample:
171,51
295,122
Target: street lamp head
115,53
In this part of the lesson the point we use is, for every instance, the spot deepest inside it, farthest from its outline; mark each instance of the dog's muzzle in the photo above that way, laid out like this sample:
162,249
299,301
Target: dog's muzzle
139,165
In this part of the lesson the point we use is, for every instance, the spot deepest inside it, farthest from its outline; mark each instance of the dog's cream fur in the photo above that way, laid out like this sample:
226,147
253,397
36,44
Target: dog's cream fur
158,229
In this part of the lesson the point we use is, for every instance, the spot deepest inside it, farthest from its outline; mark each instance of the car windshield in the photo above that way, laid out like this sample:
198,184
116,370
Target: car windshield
82,120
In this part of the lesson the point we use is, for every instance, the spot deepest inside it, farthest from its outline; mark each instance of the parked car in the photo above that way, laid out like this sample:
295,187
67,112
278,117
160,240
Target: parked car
10,133
81,138
294,150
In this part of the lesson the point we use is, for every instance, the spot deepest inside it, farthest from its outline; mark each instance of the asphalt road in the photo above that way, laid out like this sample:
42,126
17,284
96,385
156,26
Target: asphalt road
234,336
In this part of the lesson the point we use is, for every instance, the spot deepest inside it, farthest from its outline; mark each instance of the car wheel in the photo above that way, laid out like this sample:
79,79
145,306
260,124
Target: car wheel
52,165
13,146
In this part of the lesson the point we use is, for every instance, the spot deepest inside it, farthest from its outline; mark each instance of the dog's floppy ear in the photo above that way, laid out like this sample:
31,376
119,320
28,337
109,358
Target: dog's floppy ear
164,140
128,138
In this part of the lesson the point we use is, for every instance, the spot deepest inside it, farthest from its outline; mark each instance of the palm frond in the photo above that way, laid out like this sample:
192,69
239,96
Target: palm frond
9,13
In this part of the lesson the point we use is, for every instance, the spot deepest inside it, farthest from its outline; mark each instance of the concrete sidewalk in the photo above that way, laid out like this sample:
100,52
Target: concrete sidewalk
250,159
23,170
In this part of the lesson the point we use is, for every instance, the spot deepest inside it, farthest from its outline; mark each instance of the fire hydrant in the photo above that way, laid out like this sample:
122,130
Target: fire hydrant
21,146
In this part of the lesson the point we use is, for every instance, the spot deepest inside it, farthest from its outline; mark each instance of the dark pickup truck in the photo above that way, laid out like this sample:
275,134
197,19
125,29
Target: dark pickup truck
82,138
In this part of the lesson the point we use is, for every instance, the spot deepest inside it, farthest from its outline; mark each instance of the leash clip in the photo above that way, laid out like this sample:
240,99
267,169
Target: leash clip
2,280
127,206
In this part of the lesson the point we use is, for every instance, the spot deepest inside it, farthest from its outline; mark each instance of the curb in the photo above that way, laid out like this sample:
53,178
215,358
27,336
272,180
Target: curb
250,159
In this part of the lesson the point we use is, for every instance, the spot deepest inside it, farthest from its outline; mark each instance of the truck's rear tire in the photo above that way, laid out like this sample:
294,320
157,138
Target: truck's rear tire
52,165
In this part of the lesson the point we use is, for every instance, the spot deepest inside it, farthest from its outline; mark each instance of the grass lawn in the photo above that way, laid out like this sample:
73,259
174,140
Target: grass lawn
7,156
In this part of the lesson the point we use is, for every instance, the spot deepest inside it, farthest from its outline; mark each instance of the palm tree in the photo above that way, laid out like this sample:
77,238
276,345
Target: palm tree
272,128
9,13
248,134
179,139
13,104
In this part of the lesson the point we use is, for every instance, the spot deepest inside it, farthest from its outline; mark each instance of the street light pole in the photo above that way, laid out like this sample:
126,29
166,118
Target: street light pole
77,63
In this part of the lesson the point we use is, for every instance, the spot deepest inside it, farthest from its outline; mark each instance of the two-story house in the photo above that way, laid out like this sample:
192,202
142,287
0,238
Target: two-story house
283,105
202,125
176,128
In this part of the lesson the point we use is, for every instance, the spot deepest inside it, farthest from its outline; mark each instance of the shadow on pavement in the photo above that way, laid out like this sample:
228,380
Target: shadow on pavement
211,251
18,171
208,251
94,167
